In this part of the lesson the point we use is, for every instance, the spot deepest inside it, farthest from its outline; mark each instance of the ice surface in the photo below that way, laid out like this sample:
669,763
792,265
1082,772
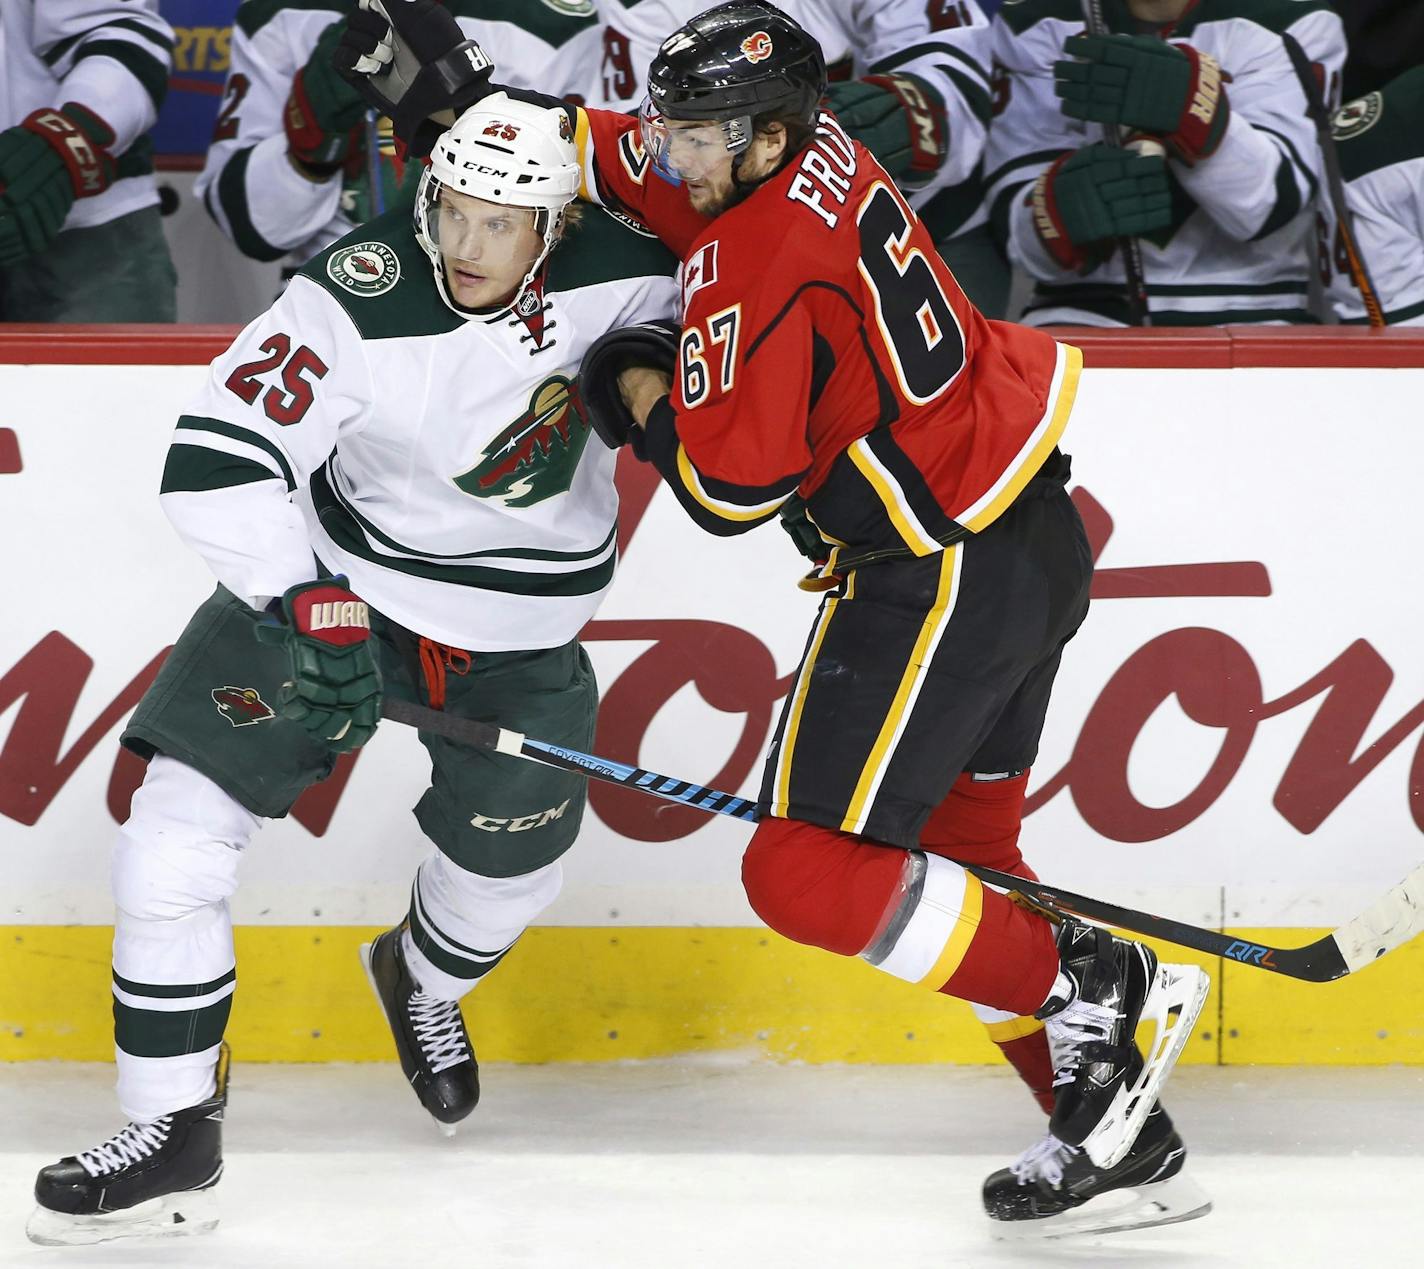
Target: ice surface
730,1162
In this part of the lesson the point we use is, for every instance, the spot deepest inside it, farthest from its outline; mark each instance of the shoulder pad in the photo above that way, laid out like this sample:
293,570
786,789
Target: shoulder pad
605,247
1021,15
253,15
553,21
383,279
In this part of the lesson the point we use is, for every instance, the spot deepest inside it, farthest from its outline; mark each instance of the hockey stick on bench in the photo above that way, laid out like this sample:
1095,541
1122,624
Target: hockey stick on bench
1392,920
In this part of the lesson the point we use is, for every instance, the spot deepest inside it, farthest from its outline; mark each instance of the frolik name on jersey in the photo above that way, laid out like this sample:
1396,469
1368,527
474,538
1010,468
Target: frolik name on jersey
825,171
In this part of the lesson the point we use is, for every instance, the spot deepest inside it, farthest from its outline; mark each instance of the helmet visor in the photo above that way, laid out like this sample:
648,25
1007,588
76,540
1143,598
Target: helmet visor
690,149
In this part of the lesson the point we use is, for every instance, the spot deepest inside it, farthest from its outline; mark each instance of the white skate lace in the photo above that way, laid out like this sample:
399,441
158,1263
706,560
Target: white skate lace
440,1031
130,1145
1079,1024
1044,1160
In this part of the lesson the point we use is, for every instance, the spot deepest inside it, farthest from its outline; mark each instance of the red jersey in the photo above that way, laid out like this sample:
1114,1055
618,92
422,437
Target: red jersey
826,347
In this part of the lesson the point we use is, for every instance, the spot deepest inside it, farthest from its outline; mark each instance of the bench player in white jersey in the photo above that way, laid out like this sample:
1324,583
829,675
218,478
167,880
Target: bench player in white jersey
80,235
1379,139
290,168
392,451
909,81
1221,201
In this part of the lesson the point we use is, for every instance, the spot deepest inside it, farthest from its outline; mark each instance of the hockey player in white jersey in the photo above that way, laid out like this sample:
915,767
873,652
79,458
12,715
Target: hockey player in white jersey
1221,197
1379,139
80,236
389,476
297,161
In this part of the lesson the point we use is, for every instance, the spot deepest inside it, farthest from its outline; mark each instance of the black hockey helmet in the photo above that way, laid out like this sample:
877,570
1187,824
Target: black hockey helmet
744,58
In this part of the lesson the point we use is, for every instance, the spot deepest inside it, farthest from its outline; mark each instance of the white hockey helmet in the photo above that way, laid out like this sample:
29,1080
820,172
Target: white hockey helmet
505,151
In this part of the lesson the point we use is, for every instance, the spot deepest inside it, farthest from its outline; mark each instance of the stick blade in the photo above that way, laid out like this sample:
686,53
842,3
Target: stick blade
1393,920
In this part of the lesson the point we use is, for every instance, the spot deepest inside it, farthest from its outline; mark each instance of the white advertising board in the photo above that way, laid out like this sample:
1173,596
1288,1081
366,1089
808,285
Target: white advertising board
1235,734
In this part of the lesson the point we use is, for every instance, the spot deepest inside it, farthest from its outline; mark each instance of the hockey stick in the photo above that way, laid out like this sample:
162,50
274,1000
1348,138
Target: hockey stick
1334,182
1394,919
468,731
1137,307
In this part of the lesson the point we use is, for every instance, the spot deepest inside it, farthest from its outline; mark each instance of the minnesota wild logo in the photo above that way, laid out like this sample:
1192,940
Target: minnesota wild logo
241,706
535,457
1357,116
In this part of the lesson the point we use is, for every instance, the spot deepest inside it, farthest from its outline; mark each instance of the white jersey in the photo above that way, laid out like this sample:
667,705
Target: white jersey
943,42
441,464
110,56
1380,141
271,210
1238,246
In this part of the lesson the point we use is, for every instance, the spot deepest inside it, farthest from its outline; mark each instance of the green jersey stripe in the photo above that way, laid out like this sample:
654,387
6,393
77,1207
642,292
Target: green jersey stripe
197,469
510,553
195,423
901,56
1115,310
979,100
1024,160
346,533
149,70
418,913
1070,290
155,1034
1391,317
159,40
231,191
173,991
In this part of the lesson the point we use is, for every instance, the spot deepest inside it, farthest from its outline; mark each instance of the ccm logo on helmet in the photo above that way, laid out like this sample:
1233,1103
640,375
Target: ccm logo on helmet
757,47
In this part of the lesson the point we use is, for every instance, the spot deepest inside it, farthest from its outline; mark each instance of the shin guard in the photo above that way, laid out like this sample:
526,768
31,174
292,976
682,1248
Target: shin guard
916,916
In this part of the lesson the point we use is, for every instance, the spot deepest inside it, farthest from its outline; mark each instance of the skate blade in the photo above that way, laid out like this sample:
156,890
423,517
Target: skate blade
172,1216
1167,1202
1177,996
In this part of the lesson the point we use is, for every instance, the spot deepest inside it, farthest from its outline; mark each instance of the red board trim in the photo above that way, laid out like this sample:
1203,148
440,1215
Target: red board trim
1218,348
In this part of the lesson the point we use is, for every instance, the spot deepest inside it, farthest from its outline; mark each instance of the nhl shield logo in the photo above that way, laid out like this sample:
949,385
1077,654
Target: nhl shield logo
1357,116
757,47
241,706
368,268
535,457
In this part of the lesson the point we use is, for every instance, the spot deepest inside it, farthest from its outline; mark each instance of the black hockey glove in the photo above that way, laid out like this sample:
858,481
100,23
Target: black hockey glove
411,61
652,344
802,532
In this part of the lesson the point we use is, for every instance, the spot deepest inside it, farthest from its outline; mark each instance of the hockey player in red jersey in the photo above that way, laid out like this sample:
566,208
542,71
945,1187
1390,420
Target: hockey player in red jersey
827,352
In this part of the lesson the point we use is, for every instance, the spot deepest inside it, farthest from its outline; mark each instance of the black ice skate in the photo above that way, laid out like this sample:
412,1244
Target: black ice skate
431,1040
1102,1091
148,1179
1054,1190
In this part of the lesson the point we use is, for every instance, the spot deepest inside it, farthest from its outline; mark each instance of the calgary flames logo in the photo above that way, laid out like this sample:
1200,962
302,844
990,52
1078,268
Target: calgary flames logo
535,457
757,48
241,706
